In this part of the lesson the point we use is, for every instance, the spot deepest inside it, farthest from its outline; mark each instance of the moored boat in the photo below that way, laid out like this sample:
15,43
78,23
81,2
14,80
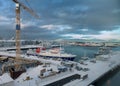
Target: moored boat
56,53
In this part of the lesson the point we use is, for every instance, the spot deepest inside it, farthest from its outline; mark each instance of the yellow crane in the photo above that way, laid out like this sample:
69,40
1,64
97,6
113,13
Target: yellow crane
17,10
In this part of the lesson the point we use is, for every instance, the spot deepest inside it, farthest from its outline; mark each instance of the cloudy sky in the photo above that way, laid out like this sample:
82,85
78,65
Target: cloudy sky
63,19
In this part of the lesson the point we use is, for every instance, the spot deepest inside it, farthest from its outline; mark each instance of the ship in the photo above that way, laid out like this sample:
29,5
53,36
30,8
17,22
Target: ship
103,51
55,53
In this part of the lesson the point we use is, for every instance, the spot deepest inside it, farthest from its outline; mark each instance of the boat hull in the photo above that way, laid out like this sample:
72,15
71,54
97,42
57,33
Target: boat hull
63,58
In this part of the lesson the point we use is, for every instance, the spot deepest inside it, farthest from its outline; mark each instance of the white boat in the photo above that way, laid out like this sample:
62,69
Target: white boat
51,53
84,57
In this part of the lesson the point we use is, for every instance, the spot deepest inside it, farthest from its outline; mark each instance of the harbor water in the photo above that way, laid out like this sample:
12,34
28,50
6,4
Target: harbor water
111,80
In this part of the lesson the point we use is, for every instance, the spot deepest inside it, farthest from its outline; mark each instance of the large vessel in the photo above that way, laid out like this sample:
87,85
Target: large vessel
56,53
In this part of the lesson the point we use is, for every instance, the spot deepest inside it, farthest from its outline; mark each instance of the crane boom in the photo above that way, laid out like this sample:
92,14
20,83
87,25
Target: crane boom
27,9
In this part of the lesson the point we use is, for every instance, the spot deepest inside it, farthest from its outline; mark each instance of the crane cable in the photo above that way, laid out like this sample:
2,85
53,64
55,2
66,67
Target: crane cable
28,4
31,19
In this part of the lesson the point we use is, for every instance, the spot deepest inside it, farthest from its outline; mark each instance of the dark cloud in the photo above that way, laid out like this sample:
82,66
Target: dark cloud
95,15
1,3
6,31
36,32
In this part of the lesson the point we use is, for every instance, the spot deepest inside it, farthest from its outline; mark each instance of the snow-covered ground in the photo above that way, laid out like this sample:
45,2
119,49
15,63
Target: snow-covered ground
5,78
95,71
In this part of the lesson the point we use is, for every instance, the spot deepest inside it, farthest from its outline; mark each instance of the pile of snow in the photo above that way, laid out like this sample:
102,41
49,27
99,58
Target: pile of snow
5,78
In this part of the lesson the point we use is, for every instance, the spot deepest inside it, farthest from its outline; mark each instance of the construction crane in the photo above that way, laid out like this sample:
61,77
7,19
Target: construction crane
17,10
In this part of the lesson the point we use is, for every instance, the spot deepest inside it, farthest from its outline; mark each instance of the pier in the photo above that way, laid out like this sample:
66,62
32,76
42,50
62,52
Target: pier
22,47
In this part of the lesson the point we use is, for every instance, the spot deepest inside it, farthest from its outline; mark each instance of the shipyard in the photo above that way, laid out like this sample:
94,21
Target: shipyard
59,43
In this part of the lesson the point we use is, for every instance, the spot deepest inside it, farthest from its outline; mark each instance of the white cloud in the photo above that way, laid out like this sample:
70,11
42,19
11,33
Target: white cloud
11,21
61,13
27,24
116,11
49,27
84,30
3,18
6,21
56,27
114,34
73,36
104,35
